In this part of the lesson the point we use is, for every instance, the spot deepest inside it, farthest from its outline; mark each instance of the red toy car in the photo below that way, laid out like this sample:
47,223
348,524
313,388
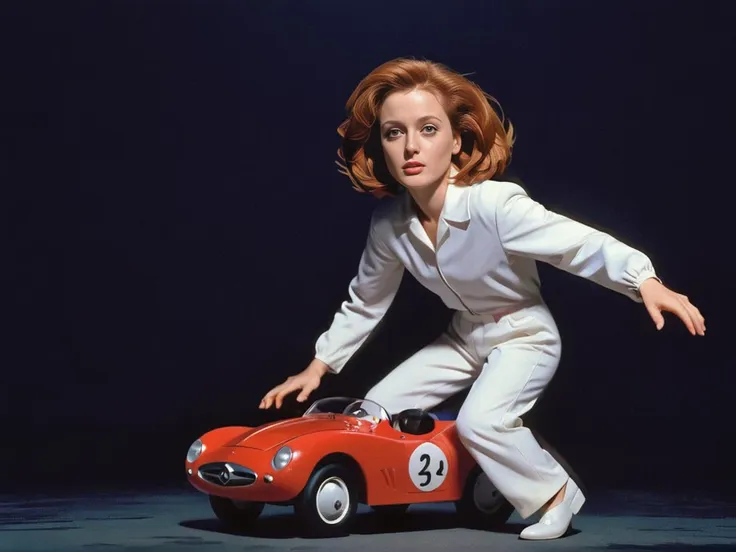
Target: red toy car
340,453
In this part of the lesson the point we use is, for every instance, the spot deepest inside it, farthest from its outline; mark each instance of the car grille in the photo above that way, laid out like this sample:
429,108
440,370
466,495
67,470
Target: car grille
227,474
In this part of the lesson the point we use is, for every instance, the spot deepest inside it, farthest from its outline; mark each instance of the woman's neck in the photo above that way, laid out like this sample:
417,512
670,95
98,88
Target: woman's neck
430,200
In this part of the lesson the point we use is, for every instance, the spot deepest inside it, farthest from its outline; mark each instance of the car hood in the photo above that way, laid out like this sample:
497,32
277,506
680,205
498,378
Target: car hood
273,434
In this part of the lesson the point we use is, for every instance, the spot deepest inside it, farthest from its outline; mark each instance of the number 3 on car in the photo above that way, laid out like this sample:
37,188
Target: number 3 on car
427,467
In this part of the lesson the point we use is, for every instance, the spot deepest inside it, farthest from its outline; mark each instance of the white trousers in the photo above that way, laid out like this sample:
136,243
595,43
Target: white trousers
508,362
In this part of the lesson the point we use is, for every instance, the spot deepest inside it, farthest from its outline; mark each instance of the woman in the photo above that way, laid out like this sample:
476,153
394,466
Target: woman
429,139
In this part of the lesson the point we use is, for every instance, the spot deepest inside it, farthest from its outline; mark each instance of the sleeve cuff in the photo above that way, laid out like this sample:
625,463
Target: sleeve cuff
332,367
643,277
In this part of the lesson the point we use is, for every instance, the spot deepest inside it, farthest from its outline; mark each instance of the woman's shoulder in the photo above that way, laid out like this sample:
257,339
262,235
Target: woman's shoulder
386,216
488,196
497,189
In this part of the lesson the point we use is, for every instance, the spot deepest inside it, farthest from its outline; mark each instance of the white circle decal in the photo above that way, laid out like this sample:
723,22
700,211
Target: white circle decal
427,467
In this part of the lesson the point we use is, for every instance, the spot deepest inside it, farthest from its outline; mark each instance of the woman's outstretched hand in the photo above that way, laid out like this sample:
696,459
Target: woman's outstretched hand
306,381
658,298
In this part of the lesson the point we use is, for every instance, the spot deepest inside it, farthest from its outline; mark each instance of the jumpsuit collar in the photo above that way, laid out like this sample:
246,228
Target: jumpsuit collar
455,213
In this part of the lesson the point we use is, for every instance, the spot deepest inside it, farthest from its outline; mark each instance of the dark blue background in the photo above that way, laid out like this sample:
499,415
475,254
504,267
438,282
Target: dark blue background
179,234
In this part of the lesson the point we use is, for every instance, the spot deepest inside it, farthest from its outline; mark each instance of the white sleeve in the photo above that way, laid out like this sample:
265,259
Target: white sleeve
371,293
527,228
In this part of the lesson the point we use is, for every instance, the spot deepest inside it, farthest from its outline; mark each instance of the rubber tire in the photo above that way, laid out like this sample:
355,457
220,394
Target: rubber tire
233,517
306,505
474,518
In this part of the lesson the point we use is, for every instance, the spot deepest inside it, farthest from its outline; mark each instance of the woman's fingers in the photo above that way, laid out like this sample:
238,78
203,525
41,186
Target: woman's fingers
307,390
656,315
285,391
695,315
270,396
658,298
678,307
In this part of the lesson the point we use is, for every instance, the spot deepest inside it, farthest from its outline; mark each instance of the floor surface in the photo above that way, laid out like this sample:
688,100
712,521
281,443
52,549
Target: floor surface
180,519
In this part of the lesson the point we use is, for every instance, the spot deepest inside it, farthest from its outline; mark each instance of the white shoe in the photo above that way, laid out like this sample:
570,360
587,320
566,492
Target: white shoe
556,521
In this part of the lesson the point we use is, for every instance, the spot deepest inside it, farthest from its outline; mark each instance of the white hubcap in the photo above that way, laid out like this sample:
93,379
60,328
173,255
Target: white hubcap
486,496
333,500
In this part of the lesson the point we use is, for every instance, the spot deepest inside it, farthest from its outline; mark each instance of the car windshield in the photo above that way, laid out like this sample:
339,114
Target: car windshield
330,405
366,410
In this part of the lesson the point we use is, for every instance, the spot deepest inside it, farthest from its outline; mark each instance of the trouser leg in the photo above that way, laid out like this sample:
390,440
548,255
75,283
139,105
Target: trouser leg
429,377
515,374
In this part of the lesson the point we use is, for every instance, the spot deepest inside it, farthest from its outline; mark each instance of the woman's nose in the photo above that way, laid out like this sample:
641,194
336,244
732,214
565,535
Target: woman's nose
411,146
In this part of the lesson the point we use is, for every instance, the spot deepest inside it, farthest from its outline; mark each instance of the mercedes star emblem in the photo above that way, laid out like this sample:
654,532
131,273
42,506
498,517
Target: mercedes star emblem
224,476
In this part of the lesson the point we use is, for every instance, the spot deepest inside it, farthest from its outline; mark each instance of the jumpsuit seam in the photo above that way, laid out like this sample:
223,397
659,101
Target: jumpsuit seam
515,401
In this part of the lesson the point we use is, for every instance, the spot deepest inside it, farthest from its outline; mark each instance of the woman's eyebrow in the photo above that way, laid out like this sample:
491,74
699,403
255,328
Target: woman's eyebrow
421,120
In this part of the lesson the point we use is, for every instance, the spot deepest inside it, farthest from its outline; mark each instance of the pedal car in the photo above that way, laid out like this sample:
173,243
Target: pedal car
341,452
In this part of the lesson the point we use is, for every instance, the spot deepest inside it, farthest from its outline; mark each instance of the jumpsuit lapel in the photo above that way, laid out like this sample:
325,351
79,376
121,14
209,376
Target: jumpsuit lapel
455,213
417,230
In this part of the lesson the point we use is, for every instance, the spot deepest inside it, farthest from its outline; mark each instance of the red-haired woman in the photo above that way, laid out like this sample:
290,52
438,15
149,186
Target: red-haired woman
429,140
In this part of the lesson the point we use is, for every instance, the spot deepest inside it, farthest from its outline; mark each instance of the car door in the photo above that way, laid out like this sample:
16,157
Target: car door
432,470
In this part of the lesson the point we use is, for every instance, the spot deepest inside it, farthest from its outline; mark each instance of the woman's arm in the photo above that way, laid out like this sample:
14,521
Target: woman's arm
527,228
371,293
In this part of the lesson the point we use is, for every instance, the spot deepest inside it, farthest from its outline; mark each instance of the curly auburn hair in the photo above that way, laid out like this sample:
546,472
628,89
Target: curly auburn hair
486,144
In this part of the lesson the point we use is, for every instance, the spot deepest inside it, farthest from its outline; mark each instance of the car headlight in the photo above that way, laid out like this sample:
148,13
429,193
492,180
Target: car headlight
282,458
195,450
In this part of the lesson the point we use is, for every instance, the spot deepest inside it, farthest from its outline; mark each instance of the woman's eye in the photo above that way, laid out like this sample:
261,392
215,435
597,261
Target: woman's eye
395,132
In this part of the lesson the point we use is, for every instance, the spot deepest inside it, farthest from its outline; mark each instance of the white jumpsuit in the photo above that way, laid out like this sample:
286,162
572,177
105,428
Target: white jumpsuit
502,340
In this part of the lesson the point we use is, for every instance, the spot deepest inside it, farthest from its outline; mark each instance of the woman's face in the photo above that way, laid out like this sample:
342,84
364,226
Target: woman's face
417,139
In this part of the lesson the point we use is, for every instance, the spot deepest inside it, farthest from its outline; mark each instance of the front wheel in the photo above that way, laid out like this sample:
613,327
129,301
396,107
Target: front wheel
235,514
482,506
329,502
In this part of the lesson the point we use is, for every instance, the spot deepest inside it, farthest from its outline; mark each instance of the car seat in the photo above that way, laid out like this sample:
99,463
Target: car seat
414,421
